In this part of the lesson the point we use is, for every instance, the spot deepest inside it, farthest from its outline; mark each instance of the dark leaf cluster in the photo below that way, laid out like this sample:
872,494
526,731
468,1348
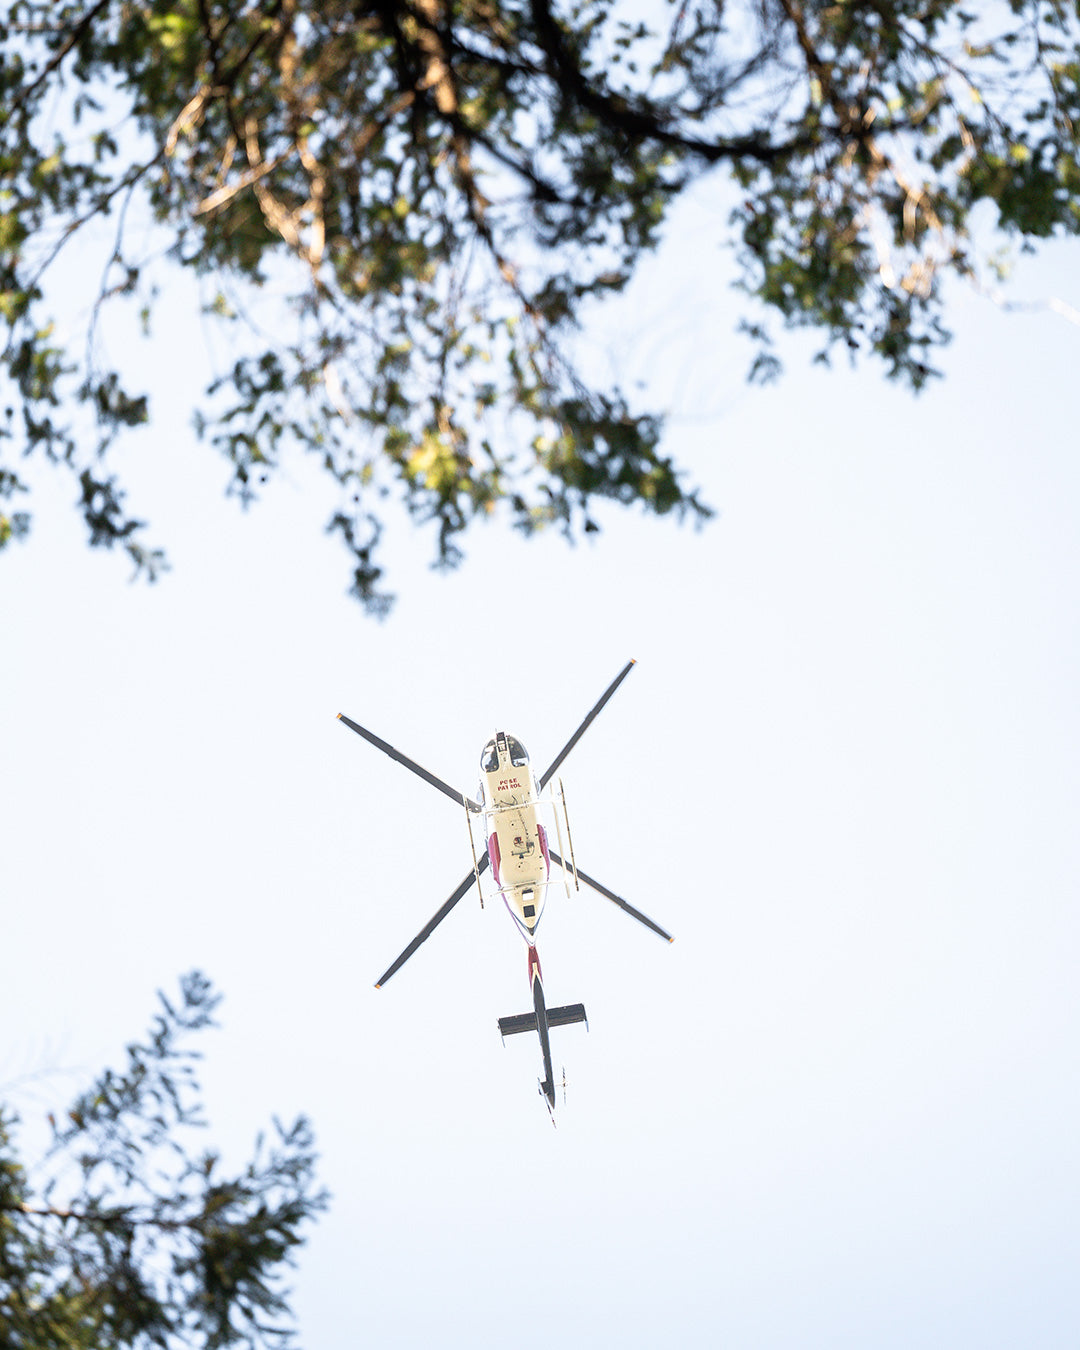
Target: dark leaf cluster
137,1238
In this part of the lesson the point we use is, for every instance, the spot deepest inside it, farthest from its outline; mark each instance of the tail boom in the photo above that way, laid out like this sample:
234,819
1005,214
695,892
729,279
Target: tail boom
547,1087
541,1020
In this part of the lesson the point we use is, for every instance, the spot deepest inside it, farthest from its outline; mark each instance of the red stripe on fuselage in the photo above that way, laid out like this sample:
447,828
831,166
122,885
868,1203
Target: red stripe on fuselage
534,961
544,848
494,857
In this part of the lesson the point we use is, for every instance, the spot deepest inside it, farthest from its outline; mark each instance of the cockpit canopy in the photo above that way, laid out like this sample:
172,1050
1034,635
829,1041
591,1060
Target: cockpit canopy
507,745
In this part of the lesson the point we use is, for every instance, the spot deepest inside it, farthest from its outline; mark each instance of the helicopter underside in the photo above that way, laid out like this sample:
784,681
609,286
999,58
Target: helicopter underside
521,864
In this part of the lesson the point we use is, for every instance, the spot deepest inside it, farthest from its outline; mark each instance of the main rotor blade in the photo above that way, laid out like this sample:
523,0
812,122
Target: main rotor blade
387,749
588,720
616,899
433,923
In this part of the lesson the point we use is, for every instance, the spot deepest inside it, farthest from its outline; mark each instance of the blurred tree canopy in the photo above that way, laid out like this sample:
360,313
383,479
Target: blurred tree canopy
137,1240
435,189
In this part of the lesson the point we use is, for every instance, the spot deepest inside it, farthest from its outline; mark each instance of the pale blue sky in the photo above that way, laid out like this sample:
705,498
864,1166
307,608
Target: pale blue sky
840,1111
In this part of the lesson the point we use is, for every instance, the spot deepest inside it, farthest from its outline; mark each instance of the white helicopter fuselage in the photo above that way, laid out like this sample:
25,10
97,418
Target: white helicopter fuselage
517,842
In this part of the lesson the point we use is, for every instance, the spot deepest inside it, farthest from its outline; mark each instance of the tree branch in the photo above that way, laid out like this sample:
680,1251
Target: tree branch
637,123
57,60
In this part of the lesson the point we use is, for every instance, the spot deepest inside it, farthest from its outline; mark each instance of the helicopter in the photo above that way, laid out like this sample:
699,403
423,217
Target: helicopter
519,853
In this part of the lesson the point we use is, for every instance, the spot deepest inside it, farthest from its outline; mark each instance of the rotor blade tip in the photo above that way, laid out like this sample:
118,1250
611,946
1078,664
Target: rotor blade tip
379,986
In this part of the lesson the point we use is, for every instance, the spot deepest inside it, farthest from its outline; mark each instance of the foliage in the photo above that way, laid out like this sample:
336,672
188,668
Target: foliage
438,189
152,1245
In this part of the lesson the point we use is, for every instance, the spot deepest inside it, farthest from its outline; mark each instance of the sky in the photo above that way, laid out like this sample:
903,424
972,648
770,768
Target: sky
840,1109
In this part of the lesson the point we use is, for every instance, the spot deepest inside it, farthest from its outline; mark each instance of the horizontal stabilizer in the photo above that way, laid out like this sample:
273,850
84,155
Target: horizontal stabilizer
556,1017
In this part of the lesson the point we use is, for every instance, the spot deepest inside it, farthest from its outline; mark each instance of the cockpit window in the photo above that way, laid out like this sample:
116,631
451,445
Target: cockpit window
518,755
489,758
